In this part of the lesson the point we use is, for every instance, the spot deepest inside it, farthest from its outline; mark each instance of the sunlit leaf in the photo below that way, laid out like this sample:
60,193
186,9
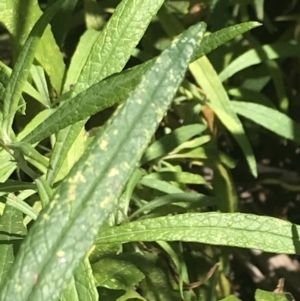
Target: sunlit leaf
83,201
226,229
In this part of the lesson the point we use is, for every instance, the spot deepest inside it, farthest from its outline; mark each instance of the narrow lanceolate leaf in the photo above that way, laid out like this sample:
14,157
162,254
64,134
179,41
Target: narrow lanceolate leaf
218,38
271,119
115,89
252,57
75,152
80,56
117,41
22,68
102,95
13,186
200,199
226,229
66,229
172,140
180,177
109,54
19,204
12,232
65,140
207,78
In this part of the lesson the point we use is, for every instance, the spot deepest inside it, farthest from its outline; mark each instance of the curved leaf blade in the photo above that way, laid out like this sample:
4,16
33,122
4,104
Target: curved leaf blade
271,119
226,229
115,89
207,78
109,54
172,140
14,186
83,201
104,94
19,204
118,39
80,57
218,38
252,57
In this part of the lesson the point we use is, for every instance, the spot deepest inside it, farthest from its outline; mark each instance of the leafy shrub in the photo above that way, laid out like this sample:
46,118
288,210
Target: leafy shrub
103,170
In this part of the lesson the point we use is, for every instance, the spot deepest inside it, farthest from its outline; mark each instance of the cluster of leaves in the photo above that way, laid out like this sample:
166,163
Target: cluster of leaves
103,168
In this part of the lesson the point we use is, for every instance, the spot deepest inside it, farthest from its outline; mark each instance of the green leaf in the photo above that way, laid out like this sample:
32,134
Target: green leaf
220,37
44,191
4,80
226,229
39,77
234,125
114,90
7,165
79,58
18,203
64,142
55,174
252,57
14,186
261,295
250,96
156,286
114,46
5,73
87,103
208,80
82,286
115,273
180,177
19,24
22,68
206,76
32,124
274,70
224,189
271,119
123,205
180,266
195,198
109,54
83,201
160,185
104,251
12,232
172,140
